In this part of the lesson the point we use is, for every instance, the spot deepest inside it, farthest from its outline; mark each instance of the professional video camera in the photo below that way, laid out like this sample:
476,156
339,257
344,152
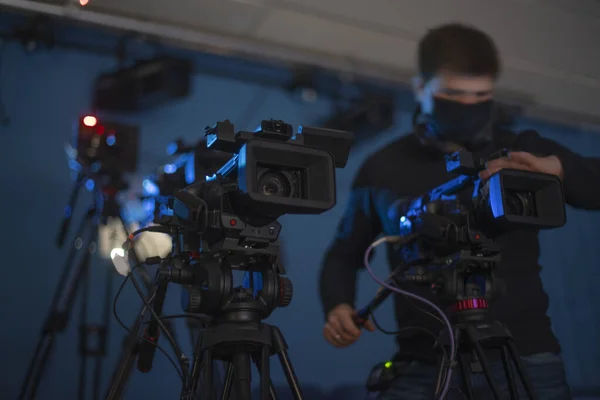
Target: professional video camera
509,200
273,172
227,222
451,241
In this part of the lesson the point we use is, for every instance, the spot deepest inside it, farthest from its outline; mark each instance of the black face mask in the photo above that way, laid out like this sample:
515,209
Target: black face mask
461,123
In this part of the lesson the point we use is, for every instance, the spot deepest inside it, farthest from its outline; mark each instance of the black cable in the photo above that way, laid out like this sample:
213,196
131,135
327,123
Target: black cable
120,322
395,333
180,356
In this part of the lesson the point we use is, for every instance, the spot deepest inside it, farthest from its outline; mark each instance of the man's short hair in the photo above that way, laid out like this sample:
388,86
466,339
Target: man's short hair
459,49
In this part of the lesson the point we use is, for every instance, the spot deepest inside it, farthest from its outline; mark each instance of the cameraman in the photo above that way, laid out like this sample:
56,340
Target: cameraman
458,67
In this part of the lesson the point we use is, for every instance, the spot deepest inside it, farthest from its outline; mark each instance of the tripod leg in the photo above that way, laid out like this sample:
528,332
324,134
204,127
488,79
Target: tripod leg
510,379
190,388
60,310
445,363
124,367
129,353
280,347
487,371
258,362
83,335
441,375
43,349
207,392
195,331
102,331
227,384
265,373
241,365
465,376
520,367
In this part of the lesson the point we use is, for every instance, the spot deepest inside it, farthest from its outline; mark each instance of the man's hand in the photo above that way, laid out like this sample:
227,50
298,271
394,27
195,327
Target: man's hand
525,162
340,330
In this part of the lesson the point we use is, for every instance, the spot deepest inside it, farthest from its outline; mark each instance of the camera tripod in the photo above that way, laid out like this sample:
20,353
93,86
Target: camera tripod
468,291
239,337
74,281
474,336
236,333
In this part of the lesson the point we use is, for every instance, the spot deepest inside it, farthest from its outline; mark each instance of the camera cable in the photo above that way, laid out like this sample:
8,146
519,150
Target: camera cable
444,318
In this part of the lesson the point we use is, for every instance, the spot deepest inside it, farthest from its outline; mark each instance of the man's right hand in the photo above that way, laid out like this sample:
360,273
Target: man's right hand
340,329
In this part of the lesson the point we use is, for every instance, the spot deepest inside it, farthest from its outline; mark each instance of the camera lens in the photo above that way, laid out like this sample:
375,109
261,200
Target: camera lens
273,183
520,203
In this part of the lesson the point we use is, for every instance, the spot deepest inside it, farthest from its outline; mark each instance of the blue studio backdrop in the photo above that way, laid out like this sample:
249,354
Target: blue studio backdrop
45,92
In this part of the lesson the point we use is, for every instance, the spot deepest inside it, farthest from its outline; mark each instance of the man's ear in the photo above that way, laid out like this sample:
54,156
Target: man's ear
418,86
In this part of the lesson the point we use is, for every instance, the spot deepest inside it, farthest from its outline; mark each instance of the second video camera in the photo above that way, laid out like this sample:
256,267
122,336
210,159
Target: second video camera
508,200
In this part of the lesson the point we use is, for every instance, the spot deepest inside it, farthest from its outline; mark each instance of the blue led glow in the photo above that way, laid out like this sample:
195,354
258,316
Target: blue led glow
447,197
111,140
170,168
74,165
295,135
190,169
405,226
89,185
150,188
68,211
211,178
148,205
172,148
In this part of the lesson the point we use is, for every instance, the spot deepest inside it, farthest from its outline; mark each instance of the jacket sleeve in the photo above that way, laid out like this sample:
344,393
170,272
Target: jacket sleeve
581,181
356,231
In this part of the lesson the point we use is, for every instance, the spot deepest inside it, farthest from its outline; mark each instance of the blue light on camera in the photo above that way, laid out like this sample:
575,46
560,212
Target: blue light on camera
170,168
150,188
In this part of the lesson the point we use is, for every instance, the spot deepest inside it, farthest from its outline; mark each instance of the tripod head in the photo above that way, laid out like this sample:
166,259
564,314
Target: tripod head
465,282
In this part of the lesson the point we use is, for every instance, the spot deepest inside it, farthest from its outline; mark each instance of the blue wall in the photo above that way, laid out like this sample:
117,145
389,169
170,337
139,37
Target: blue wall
44,93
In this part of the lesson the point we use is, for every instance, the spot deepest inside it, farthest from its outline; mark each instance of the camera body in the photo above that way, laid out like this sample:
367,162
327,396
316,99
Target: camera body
508,200
281,172
271,172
